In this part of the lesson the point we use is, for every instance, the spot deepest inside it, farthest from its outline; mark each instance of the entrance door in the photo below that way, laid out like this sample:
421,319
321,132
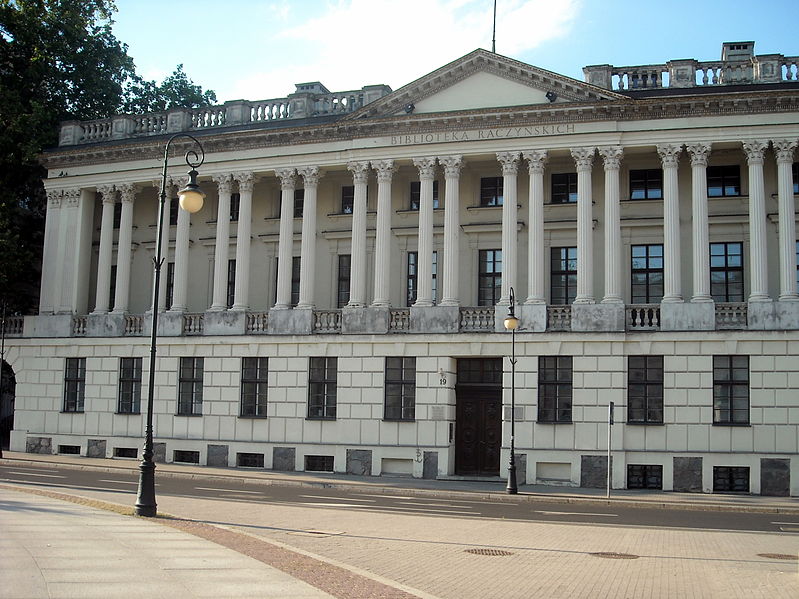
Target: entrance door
478,428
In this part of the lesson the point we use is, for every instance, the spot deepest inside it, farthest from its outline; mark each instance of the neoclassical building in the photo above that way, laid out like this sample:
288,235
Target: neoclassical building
338,302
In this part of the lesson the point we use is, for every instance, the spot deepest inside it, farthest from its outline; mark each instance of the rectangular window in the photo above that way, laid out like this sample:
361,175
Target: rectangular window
343,286
730,389
730,479
646,184
723,181
645,389
795,176
644,476
413,274
112,292
231,282
489,282
797,264
295,280
190,387
727,272
322,388
74,384
491,190
129,400
554,388
564,188
646,274
235,203
400,389
170,284
347,199
563,275
416,195
173,206
299,202
254,387
117,215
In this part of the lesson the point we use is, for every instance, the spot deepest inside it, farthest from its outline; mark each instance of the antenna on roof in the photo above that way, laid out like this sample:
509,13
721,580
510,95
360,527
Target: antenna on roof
494,32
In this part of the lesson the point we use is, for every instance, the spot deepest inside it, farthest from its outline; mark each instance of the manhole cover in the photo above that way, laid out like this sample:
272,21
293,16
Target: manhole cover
787,556
488,552
613,555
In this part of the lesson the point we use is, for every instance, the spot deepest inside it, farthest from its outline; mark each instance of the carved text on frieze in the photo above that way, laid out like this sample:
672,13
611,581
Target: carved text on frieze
478,134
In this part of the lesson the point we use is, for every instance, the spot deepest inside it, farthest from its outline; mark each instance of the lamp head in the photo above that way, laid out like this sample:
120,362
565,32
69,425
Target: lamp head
191,196
511,322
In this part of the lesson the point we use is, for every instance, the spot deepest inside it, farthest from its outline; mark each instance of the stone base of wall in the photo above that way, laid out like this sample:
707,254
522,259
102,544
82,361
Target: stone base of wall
217,456
96,448
159,453
687,475
775,477
359,462
284,459
594,471
42,445
430,465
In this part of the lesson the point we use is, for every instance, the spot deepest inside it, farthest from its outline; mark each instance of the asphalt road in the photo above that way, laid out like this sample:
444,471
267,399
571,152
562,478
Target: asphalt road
125,484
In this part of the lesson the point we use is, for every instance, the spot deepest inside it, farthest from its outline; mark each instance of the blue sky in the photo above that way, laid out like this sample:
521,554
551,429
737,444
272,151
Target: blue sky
258,49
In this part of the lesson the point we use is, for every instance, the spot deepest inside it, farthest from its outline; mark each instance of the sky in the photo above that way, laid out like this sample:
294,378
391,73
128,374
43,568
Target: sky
259,49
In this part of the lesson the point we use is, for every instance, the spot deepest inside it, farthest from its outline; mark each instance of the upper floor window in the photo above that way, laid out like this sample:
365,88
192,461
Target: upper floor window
400,399
413,274
322,388
563,275
190,387
646,274
730,389
170,284
645,389
723,181
254,387
231,282
343,280
564,188
74,384
347,199
646,184
173,206
299,202
295,280
489,281
491,190
112,292
727,272
235,204
416,195
795,177
129,400
554,388
118,213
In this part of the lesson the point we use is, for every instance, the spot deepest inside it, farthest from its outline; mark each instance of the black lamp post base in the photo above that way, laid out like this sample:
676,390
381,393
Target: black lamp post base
145,500
512,488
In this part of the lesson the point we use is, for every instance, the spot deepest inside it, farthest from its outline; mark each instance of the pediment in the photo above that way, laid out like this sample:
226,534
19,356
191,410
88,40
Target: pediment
483,80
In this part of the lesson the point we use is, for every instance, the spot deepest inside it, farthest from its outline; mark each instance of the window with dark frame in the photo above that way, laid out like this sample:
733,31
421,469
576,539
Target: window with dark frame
400,389
554,389
563,275
491,190
322,388
723,181
231,283
564,188
295,280
644,476
235,204
795,177
190,387
117,214
112,291
412,281
416,195
730,390
489,280
343,280
347,199
645,390
730,479
74,384
299,202
646,184
173,206
646,274
727,271
797,264
254,387
129,400
170,284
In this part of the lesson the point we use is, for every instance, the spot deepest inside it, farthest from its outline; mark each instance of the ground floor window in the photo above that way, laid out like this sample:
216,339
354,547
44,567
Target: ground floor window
730,479
322,388
644,476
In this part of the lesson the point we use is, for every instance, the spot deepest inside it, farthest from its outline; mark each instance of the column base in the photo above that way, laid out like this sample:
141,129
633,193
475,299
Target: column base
598,317
364,321
694,316
436,319
290,322
773,316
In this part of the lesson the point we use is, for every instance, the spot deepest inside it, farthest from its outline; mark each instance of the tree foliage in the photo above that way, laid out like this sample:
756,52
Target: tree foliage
176,91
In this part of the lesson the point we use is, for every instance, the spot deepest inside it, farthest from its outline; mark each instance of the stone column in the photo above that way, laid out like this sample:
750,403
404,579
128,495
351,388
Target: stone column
583,157
67,250
103,288
784,150
758,256
169,192
424,264
385,172
452,172
360,177
241,297
510,170
48,297
672,271
611,157
536,262
124,248
219,300
288,183
310,176
180,282
701,242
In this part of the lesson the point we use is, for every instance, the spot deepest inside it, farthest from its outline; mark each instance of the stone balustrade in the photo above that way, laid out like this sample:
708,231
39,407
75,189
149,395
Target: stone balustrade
134,325
731,315
399,320
193,324
559,318
327,321
643,317
257,322
14,326
477,319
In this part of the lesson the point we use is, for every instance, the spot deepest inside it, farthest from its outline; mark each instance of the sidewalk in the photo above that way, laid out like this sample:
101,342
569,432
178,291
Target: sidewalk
448,488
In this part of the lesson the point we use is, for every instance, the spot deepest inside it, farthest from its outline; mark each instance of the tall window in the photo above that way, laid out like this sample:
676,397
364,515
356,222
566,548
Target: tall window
347,199
554,388
74,384
235,204
727,272
322,388
343,284
129,400
295,280
170,284
645,389
413,274
416,195
299,202
190,387
489,281
231,282
563,275
254,387
112,292
797,264
491,190
564,188
795,175
730,389
723,181
173,205
646,184
118,213
400,389
646,274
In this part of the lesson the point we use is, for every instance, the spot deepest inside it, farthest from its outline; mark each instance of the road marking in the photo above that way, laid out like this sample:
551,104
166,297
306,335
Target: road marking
37,469
573,514
338,498
388,496
449,505
323,504
788,523
789,529
119,482
31,474
422,511
228,490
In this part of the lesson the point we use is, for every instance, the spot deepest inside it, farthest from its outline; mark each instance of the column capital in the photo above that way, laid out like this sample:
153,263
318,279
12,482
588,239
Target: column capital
536,161
127,192
108,192
224,182
754,150
54,198
385,169
611,156
509,161
288,178
72,197
245,179
783,149
583,157
699,152
426,166
669,154
310,175
359,170
452,165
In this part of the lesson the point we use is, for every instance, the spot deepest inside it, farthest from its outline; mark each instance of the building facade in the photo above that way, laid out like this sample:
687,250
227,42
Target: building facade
338,302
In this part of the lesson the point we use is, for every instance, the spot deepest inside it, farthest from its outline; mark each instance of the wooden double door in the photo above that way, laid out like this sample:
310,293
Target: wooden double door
478,426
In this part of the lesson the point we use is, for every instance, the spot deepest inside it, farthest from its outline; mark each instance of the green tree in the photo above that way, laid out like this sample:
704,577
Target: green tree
175,91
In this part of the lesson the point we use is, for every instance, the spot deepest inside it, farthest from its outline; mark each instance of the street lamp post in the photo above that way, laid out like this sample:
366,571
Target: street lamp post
191,200
511,324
